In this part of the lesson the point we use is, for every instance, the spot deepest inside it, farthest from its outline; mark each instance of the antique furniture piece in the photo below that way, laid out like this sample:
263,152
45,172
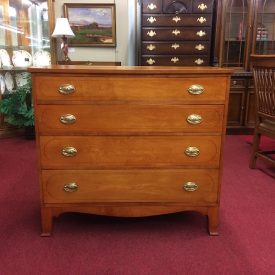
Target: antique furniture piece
242,27
175,33
130,141
264,79
24,41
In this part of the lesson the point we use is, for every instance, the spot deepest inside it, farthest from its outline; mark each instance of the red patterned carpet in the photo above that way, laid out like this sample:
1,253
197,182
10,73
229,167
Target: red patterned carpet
169,244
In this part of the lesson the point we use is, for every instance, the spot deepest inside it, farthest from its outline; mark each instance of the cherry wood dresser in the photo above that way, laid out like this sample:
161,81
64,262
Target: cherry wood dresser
176,33
130,141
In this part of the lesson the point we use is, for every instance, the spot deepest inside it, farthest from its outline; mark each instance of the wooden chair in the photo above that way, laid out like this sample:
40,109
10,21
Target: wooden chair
263,67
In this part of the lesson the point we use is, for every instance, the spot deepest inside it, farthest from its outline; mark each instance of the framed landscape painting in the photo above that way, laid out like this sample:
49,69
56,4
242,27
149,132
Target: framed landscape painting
92,24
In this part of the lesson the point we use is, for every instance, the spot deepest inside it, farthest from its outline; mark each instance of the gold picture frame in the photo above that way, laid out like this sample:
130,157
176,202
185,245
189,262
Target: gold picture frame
94,25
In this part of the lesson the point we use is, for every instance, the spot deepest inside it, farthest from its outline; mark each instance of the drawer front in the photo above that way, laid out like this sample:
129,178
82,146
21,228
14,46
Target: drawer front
175,20
177,7
94,89
176,33
63,186
151,6
78,152
203,6
175,60
176,48
128,119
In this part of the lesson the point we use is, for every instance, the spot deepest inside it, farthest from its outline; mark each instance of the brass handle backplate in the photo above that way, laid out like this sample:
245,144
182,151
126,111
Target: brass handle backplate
150,61
151,19
151,47
194,119
199,47
190,186
68,119
176,19
192,151
71,187
151,33
151,6
176,32
201,33
66,89
196,89
202,6
69,151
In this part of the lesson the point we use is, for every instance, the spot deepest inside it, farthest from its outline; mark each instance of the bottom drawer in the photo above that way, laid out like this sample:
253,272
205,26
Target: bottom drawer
88,186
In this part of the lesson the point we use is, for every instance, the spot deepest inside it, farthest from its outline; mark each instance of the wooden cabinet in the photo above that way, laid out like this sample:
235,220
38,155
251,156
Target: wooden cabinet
130,141
24,40
242,28
176,33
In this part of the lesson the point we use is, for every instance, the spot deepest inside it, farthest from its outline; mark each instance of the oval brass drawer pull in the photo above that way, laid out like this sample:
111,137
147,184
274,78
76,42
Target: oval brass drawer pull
190,186
192,151
194,119
66,89
69,151
68,119
196,89
71,187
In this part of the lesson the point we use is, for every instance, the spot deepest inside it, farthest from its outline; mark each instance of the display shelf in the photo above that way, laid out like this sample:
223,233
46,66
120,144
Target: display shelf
25,27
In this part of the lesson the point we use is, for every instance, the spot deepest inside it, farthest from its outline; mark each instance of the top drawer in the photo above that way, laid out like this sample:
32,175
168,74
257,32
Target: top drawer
120,89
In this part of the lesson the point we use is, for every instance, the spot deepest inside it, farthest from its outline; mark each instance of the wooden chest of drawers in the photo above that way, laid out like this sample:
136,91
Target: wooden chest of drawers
130,141
176,33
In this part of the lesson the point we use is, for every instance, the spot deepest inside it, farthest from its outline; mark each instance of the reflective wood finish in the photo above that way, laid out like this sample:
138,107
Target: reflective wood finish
143,140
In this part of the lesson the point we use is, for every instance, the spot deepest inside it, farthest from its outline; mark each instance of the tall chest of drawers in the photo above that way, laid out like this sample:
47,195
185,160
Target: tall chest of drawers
130,141
176,33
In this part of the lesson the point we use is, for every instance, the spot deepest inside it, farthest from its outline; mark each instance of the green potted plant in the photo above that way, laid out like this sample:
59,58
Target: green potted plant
17,107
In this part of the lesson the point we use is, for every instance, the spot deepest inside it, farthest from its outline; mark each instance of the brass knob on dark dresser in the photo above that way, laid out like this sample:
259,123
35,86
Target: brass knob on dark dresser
194,119
71,187
68,119
202,6
69,151
192,151
195,89
66,89
190,186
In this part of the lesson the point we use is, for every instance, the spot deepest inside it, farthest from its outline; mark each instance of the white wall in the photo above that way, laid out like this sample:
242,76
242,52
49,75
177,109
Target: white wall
125,35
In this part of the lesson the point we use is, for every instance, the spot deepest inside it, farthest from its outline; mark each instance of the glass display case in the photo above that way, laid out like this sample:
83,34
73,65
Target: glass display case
264,27
243,27
236,33
25,28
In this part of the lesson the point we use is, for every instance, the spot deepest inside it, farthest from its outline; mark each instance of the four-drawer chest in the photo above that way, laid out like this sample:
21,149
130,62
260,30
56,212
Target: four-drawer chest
130,141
